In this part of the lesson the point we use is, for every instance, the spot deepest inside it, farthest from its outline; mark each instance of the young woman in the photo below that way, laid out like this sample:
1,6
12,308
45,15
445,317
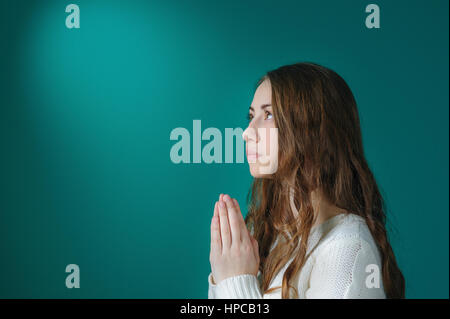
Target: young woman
315,227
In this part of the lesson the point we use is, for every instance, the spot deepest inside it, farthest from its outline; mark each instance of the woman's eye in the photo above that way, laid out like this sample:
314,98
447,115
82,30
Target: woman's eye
269,116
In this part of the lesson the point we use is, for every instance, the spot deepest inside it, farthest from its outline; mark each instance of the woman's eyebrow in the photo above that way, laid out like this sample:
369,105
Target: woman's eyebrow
262,107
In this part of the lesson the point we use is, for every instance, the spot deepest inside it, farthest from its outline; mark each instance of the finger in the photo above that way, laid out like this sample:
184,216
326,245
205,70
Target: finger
216,209
240,213
225,231
221,197
235,222
236,203
216,242
215,226
241,221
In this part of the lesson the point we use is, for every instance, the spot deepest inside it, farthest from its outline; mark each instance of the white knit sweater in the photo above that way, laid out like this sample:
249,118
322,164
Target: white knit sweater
340,250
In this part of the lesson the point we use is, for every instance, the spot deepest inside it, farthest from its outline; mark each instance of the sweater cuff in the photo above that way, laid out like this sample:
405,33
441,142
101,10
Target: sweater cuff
238,287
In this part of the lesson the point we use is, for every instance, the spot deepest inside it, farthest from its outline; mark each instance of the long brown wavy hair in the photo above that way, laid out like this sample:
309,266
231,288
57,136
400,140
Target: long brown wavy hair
320,144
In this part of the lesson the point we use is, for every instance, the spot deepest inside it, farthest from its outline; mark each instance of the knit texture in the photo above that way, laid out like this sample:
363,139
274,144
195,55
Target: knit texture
342,256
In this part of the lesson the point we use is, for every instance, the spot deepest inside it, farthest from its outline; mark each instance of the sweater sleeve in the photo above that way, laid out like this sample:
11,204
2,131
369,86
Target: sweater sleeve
340,271
237,287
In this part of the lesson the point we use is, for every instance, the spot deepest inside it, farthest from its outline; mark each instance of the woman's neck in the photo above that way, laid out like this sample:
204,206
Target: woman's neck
323,210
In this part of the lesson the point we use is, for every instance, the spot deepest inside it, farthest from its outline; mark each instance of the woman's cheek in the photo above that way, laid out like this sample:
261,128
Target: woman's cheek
272,146
271,134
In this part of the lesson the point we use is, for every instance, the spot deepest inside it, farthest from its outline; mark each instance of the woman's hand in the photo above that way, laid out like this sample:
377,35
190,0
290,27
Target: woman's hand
234,251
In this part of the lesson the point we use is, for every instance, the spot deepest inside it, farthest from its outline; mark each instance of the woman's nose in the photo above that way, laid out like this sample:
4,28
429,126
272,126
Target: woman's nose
250,134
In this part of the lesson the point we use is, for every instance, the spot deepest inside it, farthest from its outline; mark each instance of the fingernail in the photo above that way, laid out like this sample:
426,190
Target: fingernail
226,197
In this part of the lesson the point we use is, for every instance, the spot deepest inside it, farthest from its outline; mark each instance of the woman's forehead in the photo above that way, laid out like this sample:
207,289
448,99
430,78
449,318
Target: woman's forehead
263,96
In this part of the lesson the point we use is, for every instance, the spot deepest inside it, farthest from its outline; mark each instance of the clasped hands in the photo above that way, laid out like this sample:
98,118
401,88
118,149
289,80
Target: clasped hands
234,251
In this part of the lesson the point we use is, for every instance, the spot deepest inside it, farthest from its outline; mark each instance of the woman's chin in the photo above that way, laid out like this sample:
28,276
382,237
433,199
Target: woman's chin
256,171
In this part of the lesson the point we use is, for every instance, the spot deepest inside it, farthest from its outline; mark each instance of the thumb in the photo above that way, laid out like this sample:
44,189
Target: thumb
255,247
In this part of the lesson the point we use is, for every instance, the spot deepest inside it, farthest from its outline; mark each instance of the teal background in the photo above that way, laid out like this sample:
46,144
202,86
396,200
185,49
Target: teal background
85,119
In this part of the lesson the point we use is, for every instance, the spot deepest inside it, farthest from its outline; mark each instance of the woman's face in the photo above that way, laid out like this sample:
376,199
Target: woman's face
261,135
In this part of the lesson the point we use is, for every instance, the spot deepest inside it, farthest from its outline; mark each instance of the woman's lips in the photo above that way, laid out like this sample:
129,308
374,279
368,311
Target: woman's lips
252,156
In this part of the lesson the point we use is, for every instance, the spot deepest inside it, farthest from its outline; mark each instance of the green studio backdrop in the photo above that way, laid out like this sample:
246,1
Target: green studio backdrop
86,114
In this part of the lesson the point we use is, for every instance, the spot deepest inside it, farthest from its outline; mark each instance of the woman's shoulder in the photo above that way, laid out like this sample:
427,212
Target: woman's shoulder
343,259
346,230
